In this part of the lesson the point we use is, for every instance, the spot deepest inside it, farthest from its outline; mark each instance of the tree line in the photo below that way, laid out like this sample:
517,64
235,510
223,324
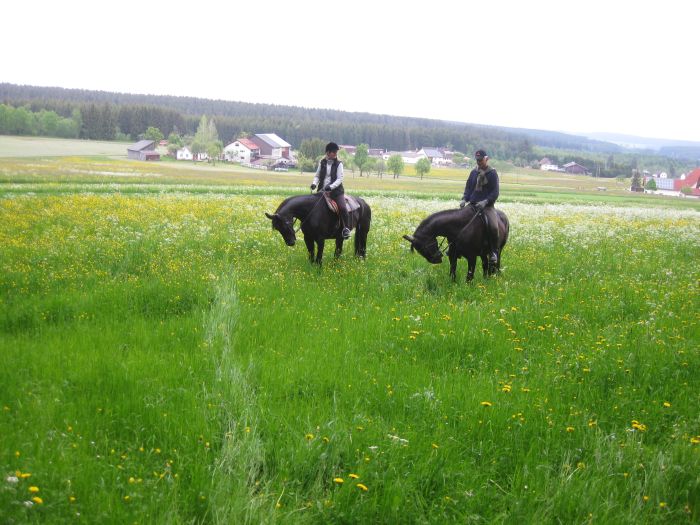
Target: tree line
100,115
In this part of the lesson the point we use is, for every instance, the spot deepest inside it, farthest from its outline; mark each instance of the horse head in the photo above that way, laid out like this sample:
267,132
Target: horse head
427,247
284,226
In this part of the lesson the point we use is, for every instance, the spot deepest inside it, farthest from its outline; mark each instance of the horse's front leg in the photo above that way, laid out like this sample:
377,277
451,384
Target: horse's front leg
453,263
471,267
338,246
485,264
310,247
319,252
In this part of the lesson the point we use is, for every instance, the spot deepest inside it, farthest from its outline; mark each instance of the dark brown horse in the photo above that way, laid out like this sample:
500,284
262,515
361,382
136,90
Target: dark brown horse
465,232
319,223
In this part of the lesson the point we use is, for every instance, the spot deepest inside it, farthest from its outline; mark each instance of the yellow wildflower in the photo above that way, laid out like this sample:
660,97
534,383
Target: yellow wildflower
362,487
339,481
37,500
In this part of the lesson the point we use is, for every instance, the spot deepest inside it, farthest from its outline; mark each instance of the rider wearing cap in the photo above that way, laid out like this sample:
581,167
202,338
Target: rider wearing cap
481,191
329,177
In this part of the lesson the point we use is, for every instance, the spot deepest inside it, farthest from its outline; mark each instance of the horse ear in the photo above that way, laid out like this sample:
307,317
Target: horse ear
269,216
409,238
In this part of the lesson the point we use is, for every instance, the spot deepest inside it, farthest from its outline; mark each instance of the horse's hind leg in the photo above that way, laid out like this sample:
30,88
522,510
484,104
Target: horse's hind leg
360,241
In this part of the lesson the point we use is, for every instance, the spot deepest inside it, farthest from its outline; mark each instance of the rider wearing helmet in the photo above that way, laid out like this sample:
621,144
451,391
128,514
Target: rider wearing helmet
329,177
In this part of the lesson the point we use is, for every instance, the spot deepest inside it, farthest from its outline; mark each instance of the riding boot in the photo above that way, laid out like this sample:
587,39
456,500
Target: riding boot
492,234
344,216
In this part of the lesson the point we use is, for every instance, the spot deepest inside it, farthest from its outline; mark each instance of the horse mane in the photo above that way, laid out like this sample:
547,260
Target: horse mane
286,202
436,218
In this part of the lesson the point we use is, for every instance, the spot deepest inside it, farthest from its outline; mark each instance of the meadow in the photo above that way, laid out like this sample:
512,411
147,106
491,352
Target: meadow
166,360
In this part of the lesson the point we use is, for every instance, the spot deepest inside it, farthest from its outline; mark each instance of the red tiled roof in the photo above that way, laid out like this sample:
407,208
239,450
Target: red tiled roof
691,180
249,144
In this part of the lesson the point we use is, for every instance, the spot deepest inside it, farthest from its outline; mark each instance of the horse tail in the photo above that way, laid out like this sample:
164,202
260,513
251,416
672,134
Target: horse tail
362,228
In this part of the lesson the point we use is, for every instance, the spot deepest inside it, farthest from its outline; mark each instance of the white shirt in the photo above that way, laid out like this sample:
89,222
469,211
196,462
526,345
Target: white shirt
329,165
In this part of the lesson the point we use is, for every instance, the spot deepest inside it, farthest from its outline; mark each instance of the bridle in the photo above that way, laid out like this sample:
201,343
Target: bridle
439,246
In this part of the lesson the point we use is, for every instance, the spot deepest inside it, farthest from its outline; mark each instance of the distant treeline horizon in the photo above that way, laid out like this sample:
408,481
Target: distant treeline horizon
101,115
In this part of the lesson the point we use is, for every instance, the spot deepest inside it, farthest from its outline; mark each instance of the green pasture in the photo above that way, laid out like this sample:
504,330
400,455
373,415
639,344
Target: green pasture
167,359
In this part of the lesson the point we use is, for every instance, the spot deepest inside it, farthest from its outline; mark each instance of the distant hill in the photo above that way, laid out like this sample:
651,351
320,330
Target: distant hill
559,140
634,142
133,112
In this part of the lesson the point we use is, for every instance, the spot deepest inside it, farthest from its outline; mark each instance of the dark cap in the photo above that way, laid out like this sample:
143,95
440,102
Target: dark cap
480,154
332,147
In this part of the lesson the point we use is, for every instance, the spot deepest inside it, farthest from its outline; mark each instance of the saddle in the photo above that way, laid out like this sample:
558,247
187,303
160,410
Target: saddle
350,202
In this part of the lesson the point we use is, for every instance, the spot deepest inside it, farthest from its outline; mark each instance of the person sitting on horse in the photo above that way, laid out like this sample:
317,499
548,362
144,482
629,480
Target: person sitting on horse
481,191
329,177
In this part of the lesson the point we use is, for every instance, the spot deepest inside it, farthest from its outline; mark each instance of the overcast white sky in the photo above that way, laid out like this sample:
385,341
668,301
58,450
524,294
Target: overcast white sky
614,66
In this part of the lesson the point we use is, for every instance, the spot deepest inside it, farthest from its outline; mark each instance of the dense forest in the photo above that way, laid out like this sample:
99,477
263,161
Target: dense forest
99,115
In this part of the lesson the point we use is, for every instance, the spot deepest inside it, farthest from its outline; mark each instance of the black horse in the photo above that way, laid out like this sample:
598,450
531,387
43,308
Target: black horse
465,232
319,223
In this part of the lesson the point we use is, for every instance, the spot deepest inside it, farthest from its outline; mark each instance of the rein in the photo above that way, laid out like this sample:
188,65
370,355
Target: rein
302,222
442,243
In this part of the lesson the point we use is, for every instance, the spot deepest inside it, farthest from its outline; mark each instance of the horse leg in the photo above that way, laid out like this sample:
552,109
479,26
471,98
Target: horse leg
453,263
310,247
361,231
319,252
338,246
485,264
471,266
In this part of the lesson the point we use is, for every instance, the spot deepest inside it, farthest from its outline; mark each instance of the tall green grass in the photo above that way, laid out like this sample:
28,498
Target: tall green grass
167,359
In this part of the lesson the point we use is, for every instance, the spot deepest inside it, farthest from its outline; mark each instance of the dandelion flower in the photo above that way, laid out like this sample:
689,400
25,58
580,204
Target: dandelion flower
362,487
353,476
33,489
486,403
570,429
309,437
636,425
37,500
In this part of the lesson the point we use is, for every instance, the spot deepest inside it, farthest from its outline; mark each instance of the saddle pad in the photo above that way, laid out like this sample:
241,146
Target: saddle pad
351,203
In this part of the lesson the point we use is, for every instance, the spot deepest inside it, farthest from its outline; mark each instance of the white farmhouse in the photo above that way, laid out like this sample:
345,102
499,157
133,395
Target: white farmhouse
183,154
242,150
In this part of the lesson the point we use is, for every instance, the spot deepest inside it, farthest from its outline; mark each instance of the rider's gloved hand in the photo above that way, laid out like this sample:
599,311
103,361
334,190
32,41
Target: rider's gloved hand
462,203
481,204
313,187
327,188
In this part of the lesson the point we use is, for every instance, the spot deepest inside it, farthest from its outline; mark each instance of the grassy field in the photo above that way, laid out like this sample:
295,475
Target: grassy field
167,359
47,147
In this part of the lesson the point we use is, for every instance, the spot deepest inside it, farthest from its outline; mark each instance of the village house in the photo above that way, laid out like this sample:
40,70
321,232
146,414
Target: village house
143,150
242,150
674,187
271,146
435,156
408,157
185,153
574,168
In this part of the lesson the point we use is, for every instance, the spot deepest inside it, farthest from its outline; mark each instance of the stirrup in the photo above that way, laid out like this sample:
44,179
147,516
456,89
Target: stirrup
493,257
346,233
